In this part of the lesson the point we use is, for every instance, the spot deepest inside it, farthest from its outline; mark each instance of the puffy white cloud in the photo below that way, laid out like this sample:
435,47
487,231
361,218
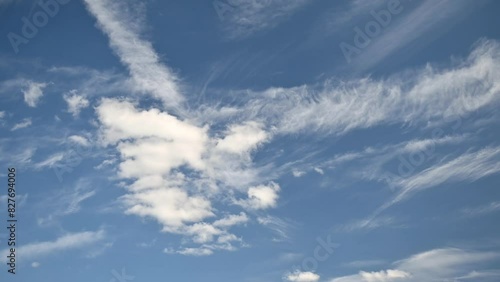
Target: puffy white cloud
75,102
243,138
172,207
384,275
33,92
298,276
179,170
261,197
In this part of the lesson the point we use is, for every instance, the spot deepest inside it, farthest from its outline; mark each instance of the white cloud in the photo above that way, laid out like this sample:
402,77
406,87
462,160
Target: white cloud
430,95
23,124
75,102
467,167
242,18
50,161
319,170
261,197
179,170
280,227
243,138
384,275
482,210
63,243
149,75
366,224
298,173
35,264
197,252
80,140
172,207
33,93
298,276
447,264
234,219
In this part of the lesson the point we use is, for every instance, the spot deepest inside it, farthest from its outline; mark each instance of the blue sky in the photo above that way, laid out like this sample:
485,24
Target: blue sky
252,140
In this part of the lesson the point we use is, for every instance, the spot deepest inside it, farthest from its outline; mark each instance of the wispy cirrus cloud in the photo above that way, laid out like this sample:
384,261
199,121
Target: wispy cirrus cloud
65,202
22,124
434,265
149,75
438,16
426,95
242,18
481,210
66,242
467,167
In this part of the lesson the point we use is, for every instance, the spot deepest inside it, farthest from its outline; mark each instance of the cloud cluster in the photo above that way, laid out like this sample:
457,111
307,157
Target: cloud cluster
178,170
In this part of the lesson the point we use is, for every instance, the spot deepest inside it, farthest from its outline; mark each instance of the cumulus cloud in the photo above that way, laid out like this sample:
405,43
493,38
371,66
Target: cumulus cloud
261,197
178,170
